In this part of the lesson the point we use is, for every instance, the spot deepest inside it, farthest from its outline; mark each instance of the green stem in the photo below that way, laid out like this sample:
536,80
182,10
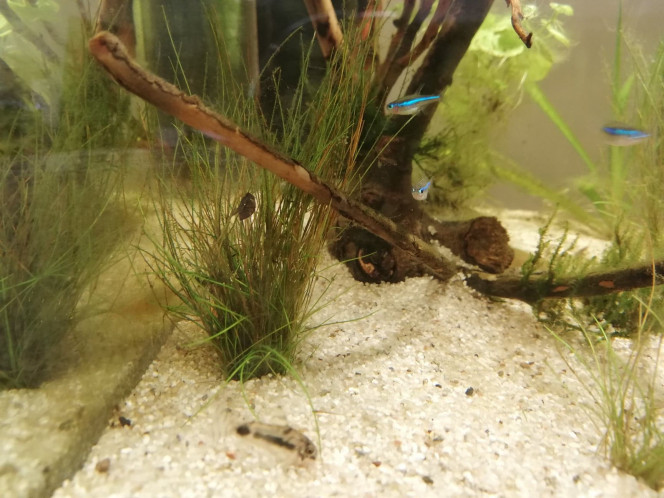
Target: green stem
540,99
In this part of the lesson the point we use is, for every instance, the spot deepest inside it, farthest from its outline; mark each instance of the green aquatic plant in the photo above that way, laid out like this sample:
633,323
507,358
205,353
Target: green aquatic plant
623,390
247,279
59,219
57,230
626,192
557,264
488,83
628,189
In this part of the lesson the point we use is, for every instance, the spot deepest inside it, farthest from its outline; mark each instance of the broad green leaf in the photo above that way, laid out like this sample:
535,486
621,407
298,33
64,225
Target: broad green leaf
622,95
562,8
558,35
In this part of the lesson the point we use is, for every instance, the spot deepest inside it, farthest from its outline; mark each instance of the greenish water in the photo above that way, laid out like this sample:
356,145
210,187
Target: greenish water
259,63
113,208
580,89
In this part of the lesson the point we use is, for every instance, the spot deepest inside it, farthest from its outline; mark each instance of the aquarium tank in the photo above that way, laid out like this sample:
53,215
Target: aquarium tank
166,163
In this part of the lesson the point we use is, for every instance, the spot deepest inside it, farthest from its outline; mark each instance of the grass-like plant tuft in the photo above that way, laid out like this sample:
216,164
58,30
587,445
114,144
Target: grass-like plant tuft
58,218
623,391
248,282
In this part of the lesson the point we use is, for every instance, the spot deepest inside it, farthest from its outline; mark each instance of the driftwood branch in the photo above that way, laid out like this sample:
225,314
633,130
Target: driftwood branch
401,24
517,16
116,17
387,186
594,284
111,54
397,58
326,25
430,34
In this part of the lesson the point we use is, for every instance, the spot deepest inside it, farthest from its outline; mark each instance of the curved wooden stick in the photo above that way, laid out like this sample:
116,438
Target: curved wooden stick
593,284
111,54
326,25
517,15
431,32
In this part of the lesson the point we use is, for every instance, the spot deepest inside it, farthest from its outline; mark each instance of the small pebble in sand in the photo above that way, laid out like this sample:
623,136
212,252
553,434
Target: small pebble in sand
103,466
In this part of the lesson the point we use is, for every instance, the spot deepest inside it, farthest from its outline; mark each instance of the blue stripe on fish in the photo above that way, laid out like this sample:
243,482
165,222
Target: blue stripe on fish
421,190
421,193
411,104
625,132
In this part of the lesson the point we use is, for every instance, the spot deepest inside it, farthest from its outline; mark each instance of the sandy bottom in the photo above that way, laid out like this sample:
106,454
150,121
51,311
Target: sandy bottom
436,391
420,389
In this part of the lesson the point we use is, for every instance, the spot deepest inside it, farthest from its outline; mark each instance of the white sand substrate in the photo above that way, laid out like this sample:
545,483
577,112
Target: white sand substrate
422,389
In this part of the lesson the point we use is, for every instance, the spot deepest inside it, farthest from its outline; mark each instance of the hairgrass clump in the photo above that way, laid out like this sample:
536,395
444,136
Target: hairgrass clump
623,390
57,228
56,232
248,282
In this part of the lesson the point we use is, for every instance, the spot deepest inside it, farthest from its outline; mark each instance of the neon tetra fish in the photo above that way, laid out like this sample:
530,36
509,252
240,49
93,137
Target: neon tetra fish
624,136
421,189
411,104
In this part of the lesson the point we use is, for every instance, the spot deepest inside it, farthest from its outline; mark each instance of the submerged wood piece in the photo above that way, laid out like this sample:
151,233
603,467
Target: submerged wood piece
430,33
116,17
401,23
463,19
111,54
403,41
481,241
326,25
594,284
517,16
387,186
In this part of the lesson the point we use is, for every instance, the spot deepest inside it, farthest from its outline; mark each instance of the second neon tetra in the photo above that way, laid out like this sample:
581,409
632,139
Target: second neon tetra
410,104
624,136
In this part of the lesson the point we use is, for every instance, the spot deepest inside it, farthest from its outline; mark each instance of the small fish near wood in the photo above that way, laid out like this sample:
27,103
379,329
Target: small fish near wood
421,190
246,207
411,104
624,136
281,436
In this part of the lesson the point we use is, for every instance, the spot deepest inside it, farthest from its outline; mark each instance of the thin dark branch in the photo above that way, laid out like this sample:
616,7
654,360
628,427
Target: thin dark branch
401,23
435,73
397,63
517,16
594,284
431,32
326,25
